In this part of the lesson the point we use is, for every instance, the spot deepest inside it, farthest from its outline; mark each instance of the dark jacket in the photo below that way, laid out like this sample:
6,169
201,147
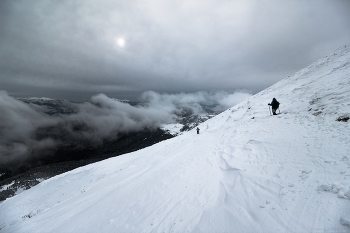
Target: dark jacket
274,104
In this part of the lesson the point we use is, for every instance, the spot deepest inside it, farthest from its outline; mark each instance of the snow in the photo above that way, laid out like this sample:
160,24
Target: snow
246,171
19,190
4,187
173,129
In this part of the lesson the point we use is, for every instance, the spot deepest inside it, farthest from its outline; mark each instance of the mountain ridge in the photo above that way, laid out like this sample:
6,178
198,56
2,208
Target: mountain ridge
246,171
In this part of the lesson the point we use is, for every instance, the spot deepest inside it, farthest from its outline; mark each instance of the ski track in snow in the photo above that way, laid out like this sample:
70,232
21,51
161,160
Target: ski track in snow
284,173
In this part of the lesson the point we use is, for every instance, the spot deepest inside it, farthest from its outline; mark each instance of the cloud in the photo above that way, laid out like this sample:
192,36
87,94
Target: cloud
27,133
17,128
194,101
229,100
69,49
109,116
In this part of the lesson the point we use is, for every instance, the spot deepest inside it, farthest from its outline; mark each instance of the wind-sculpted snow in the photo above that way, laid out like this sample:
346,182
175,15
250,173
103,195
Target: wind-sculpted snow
246,171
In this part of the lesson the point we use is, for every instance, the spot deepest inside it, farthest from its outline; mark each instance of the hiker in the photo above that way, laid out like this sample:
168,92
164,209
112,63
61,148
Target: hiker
274,104
197,130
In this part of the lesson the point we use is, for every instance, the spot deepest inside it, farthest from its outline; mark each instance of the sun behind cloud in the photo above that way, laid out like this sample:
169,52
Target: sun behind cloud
120,42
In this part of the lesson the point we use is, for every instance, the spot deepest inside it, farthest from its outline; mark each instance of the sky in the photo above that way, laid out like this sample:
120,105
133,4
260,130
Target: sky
76,49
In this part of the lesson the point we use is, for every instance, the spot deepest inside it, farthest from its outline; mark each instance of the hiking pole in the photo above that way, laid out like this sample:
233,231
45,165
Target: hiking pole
279,111
270,110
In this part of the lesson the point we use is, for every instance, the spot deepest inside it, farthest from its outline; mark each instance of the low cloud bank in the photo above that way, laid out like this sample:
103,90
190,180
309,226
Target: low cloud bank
219,101
27,133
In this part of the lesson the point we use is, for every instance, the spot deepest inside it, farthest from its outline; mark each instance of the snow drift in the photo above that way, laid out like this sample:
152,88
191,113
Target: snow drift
246,171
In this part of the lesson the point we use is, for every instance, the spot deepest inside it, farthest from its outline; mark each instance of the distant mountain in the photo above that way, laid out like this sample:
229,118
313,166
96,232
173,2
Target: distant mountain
55,106
51,106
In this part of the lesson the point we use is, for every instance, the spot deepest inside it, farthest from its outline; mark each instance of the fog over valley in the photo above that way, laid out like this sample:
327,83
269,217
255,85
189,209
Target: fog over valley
27,132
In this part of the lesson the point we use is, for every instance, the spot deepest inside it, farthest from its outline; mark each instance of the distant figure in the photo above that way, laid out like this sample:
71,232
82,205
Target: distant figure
274,104
197,130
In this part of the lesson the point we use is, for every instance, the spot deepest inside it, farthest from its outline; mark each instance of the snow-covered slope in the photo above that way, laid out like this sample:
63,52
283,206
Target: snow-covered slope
246,171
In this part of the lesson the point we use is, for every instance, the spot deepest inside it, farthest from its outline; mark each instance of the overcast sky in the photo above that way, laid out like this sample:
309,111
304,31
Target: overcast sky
73,49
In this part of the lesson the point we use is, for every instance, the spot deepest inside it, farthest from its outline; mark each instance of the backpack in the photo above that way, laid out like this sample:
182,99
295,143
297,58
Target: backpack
275,104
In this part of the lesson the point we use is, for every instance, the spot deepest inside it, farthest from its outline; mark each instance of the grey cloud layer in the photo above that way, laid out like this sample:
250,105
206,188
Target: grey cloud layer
171,46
